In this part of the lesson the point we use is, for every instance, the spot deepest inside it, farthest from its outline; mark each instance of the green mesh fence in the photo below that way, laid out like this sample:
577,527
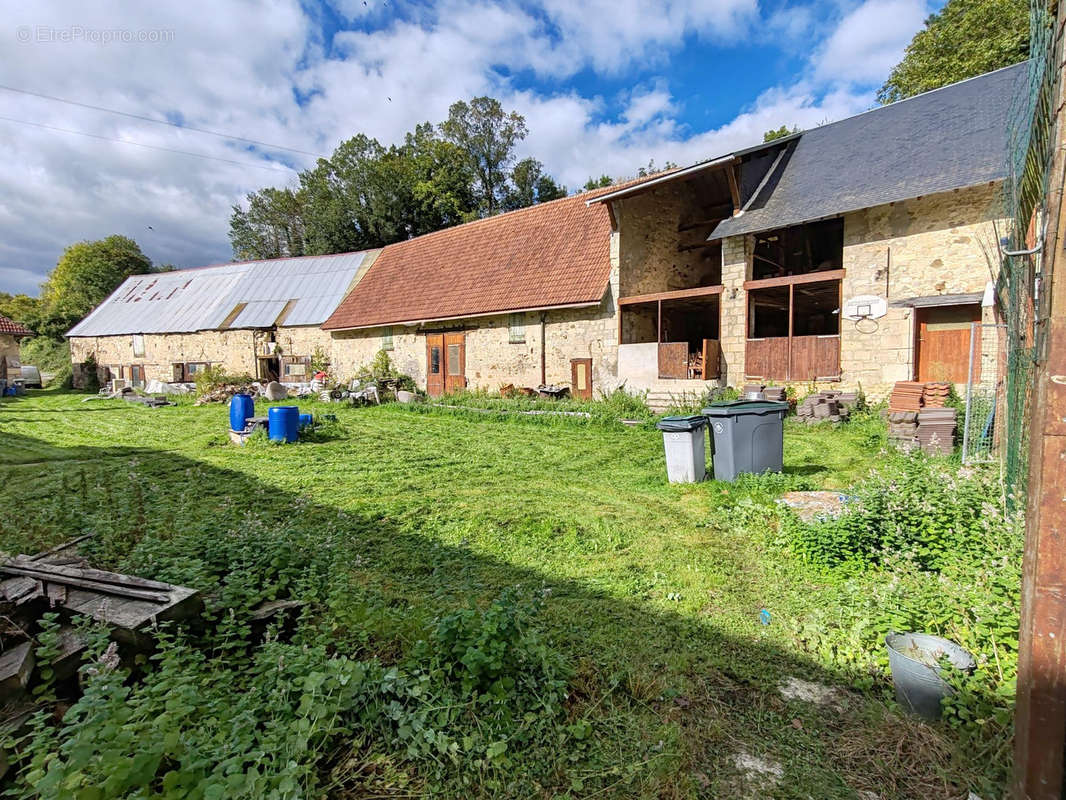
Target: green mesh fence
1031,121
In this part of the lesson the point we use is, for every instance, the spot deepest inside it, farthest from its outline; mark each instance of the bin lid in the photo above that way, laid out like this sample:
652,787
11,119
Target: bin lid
681,424
730,408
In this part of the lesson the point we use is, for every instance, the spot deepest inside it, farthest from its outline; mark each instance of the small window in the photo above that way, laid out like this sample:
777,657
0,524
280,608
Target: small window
516,330
138,345
295,370
386,338
434,360
193,368
453,360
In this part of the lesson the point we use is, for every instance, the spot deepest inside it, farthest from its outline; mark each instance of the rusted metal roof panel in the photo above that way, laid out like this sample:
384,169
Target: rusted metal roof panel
204,298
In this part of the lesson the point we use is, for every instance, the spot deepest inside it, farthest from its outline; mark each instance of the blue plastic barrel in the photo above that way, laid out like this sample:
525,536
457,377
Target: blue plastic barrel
241,406
283,423
305,421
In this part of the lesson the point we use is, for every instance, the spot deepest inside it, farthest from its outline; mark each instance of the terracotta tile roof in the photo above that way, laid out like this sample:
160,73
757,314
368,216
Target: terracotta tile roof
552,254
13,328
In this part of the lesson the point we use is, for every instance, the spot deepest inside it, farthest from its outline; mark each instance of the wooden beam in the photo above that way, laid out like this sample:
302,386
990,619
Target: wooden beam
677,294
795,280
684,248
1040,720
720,212
734,186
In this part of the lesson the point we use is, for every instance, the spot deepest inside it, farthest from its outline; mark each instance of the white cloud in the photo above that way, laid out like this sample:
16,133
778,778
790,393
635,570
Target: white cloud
869,41
238,67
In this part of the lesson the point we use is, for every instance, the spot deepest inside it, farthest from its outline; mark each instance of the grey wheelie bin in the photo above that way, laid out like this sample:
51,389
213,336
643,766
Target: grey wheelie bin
746,436
686,453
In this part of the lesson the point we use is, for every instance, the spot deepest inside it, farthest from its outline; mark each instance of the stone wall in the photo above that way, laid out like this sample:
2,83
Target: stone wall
9,352
939,244
650,261
235,350
492,360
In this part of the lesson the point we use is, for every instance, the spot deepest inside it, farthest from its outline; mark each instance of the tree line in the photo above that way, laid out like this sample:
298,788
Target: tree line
369,195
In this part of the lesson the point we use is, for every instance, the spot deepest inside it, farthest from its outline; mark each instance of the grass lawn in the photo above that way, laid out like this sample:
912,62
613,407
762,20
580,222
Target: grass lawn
653,592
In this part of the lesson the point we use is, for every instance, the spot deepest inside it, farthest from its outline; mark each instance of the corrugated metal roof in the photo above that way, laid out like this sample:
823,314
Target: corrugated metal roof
204,298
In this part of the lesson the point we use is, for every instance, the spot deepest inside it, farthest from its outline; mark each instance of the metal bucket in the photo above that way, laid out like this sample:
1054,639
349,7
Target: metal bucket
915,662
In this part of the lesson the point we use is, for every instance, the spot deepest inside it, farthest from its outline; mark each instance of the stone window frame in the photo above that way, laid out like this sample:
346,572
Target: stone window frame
387,340
516,329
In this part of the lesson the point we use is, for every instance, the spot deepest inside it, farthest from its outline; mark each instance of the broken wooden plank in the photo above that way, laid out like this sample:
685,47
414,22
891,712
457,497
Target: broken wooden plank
96,586
16,666
59,548
102,576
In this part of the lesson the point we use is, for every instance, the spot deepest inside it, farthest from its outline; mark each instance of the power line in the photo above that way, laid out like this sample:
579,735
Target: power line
147,146
162,122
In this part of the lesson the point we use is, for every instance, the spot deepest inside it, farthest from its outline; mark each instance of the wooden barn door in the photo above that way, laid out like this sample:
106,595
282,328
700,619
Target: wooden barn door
581,378
434,364
454,362
942,349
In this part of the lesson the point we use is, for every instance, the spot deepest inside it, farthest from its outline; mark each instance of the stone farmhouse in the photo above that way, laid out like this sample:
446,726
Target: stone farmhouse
858,252
260,318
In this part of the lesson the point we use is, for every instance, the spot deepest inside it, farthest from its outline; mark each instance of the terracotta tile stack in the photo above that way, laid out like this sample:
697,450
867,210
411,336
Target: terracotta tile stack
934,395
903,429
936,430
826,407
906,396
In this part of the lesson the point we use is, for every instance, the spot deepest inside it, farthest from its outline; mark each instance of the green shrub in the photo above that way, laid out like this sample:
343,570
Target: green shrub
215,375
923,510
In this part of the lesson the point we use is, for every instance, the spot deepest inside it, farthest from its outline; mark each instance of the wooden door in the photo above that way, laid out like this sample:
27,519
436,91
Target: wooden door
581,378
454,362
942,349
673,360
137,376
712,359
434,364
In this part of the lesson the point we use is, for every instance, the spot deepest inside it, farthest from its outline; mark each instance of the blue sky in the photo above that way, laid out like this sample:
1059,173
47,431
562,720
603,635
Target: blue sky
605,86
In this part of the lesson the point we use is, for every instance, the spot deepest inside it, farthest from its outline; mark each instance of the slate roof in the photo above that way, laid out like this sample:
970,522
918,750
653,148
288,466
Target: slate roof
949,138
12,328
245,294
545,256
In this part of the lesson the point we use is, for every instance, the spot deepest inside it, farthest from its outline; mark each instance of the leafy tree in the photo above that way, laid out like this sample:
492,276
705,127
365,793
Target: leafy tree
651,169
21,308
487,135
601,182
273,225
530,184
779,133
965,38
85,275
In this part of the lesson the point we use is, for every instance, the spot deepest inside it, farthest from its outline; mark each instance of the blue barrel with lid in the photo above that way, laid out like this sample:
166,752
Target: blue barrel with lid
241,406
306,421
283,423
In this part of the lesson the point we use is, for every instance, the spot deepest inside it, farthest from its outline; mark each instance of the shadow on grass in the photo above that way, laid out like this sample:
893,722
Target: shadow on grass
695,704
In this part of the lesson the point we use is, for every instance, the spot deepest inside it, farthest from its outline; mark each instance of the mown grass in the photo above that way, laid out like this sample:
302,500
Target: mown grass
655,590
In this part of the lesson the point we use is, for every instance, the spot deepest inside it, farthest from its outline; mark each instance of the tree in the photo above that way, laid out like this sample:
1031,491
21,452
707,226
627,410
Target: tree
965,38
601,182
21,308
530,184
779,133
651,169
487,135
273,225
84,276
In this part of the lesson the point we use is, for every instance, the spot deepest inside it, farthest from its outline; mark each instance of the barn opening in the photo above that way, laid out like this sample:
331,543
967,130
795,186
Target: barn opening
793,324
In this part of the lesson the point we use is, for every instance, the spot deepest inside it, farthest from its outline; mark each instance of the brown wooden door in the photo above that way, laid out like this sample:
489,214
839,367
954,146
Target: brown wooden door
454,362
137,376
434,364
712,359
673,360
581,378
942,349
